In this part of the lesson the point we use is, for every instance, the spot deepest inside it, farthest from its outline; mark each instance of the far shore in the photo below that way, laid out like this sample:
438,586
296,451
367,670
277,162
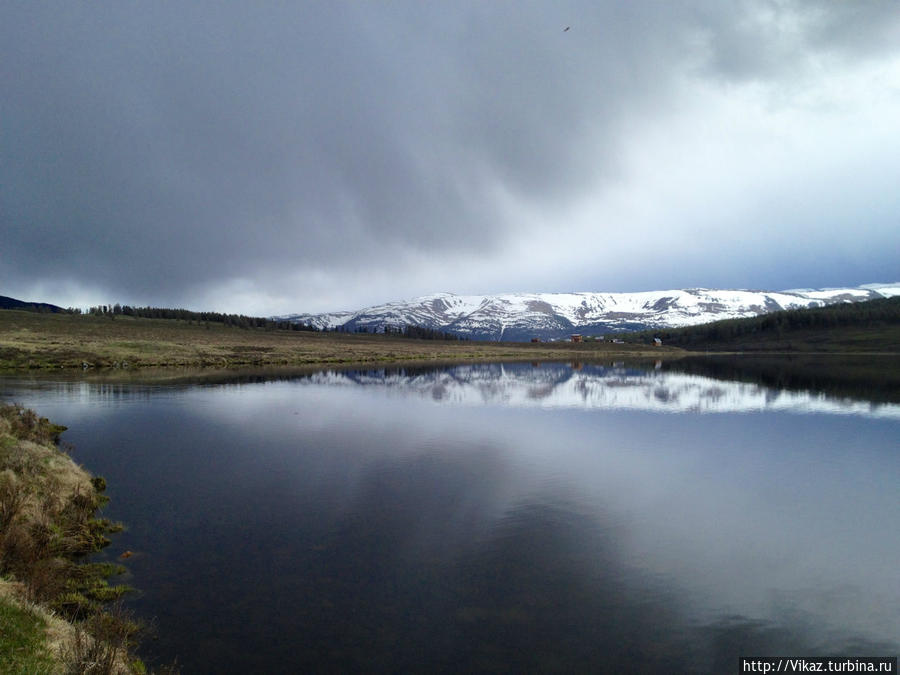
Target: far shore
124,348
31,341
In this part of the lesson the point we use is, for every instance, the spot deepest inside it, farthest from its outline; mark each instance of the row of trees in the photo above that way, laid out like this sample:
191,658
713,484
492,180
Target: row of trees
881,312
422,333
242,321
239,320
406,331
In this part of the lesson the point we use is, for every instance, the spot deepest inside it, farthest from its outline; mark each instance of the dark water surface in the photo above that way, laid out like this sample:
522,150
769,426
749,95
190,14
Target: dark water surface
495,518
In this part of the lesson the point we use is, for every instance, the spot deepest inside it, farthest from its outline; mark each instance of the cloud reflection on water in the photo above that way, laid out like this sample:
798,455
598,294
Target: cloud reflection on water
527,518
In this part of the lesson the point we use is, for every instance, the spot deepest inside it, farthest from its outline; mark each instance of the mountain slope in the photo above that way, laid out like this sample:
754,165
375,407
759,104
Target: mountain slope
521,316
11,303
872,326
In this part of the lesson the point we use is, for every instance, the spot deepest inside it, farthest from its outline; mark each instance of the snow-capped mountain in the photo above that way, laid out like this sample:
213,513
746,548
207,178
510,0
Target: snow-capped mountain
522,316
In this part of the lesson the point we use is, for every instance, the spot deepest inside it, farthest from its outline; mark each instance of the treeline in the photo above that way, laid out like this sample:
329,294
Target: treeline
238,320
406,331
242,321
422,333
870,314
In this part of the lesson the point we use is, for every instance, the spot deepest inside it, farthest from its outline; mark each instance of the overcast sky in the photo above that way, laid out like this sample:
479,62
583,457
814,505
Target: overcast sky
275,157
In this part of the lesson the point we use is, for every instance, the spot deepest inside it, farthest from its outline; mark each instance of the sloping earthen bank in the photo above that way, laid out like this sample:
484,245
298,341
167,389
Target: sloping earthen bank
58,611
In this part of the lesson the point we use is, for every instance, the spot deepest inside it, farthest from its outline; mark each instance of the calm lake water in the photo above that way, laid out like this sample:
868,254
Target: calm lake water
497,518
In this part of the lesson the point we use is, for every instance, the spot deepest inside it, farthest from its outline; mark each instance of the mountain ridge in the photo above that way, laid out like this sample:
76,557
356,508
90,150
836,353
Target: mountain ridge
7,302
547,316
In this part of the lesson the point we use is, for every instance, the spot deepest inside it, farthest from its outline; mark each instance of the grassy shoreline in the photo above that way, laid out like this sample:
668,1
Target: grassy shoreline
125,347
58,613
31,341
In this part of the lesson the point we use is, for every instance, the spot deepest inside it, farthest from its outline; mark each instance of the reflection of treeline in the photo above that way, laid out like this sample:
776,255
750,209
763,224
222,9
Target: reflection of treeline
872,314
864,378
239,320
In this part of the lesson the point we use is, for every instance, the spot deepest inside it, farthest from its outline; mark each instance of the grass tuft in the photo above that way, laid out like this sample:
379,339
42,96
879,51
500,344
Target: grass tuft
22,641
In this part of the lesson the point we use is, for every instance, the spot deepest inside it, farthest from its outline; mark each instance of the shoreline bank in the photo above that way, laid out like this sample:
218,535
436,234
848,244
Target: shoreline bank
31,341
58,612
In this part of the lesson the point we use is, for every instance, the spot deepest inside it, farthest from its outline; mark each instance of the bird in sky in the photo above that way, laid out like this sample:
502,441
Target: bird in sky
566,28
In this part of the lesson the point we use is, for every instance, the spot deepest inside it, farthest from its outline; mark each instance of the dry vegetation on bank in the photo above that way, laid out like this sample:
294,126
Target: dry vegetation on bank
39,341
58,613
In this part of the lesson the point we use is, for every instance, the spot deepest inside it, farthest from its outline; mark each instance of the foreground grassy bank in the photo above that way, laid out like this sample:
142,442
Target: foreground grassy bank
39,341
55,614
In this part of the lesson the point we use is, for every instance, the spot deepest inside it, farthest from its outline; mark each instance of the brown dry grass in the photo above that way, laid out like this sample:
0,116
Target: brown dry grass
29,340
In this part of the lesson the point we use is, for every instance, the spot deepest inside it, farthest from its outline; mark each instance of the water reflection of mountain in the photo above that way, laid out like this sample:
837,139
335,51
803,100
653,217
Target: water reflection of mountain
603,387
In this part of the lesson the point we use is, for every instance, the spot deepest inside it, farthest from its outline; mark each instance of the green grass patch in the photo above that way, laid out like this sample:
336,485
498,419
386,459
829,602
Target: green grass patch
138,345
23,641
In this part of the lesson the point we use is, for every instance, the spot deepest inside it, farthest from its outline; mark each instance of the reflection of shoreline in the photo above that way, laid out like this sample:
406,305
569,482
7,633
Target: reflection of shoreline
864,386
555,386
873,379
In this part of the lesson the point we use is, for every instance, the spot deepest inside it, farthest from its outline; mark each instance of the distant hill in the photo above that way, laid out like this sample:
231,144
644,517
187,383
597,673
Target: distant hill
872,326
12,303
548,316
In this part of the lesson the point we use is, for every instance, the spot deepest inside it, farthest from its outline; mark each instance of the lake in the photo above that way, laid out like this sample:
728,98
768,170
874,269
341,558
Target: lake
494,518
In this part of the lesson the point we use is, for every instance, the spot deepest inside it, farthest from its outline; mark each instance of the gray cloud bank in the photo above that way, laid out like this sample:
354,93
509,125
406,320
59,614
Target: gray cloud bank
269,157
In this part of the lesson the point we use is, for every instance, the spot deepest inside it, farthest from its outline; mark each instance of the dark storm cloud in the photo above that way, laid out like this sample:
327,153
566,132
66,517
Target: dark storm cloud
152,147
178,144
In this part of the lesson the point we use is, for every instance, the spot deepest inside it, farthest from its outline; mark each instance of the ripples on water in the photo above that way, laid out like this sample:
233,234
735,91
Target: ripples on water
496,518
